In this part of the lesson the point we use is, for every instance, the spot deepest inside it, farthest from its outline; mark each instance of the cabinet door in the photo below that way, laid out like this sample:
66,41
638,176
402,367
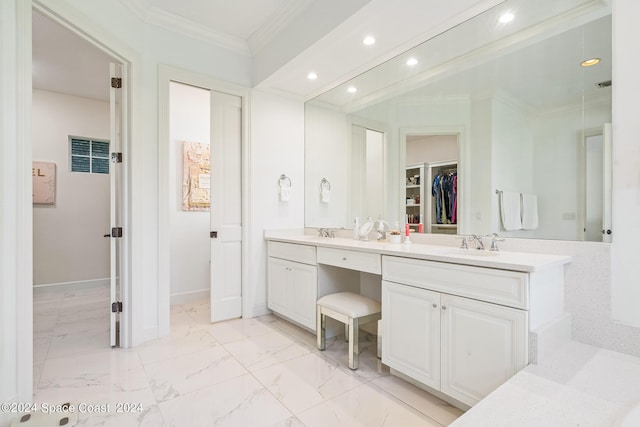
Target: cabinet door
277,285
483,345
411,332
302,288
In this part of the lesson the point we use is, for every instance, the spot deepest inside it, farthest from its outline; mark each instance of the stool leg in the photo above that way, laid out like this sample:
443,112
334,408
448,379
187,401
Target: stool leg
346,332
353,343
320,329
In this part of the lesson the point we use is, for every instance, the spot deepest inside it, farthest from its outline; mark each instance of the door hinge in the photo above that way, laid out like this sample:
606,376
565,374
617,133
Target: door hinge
116,157
116,307
116,232
116,82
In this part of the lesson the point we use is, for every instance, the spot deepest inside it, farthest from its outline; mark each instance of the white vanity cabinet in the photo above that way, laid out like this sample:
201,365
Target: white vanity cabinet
292,282
458,329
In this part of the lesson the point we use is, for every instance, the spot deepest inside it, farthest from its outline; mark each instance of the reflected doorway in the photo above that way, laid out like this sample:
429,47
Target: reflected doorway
431,183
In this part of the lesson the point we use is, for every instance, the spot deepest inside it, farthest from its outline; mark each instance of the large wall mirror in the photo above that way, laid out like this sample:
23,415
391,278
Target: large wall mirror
496,125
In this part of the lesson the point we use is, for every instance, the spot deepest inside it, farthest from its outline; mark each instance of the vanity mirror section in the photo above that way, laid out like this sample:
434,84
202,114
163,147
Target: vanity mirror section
526,116
292,282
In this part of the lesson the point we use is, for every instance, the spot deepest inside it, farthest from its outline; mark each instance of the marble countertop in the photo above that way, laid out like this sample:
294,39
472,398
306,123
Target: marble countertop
580,385
505,260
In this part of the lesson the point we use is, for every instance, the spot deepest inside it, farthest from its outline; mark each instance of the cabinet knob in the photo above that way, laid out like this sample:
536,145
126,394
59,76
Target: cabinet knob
435,305
344,258
444,307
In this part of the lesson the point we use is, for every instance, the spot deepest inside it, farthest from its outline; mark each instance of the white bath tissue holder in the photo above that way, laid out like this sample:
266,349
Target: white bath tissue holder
285,187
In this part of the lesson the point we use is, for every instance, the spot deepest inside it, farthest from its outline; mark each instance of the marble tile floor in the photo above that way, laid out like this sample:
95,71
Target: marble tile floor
245,372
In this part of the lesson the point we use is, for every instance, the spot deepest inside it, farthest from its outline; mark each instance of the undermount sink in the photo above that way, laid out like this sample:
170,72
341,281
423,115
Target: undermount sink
469,252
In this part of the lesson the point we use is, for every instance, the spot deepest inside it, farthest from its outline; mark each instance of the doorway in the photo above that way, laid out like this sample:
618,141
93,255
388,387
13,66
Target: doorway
202,129
431,182
78,123
597,189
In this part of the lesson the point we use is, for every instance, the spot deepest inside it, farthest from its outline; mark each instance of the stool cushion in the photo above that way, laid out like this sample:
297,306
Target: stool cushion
350,304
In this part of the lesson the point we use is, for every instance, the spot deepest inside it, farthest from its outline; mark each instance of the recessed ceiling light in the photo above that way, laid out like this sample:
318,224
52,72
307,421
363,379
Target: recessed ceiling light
369,40
352,89
412,61
590,62
312,76
506,17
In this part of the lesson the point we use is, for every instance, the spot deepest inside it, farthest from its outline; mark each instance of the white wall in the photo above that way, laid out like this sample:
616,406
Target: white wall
277,147
557,141
431,148
190,121
327,156
481,169
68,242
512,158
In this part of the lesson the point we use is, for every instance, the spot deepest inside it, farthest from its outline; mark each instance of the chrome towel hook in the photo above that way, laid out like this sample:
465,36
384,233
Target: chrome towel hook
284,181
325,184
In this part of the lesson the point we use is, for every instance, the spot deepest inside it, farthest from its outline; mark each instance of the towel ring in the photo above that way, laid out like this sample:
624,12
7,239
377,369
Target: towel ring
325,184
284,179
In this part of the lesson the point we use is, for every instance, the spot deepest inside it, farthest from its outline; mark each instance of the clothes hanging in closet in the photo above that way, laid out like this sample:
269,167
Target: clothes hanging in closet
444,190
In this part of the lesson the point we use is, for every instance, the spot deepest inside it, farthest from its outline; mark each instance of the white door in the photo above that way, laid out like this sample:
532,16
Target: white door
598,186
226,206
594,187
302,285
277,272
115,177
411,332
607,187
483,345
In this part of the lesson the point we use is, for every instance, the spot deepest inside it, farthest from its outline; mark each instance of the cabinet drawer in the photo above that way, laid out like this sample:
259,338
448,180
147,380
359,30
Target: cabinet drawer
508,288
294,252
353,260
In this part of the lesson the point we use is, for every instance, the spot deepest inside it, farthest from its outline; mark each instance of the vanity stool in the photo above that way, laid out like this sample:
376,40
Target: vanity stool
351,309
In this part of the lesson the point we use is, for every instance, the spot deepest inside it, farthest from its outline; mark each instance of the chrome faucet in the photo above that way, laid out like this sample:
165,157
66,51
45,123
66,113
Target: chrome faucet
478,240
494,242
326,232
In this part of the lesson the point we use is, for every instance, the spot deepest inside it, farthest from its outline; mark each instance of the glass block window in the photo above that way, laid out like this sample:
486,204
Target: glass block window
89,155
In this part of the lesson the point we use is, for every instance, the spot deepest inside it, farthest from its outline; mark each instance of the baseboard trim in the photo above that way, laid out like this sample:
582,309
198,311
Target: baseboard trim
72,286
186,297
258,310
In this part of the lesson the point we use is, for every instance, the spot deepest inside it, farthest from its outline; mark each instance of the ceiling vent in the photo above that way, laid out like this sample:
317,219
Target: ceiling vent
606,83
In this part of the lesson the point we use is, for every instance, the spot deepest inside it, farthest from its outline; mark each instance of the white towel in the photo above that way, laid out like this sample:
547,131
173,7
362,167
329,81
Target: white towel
529,211
325,195
285,193
510,210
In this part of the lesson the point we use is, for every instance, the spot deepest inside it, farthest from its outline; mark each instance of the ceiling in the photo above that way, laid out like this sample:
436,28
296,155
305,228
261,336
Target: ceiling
66,63
535,59
285,38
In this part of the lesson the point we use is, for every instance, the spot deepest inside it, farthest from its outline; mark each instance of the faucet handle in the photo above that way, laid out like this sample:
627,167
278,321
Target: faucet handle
494,241
463,245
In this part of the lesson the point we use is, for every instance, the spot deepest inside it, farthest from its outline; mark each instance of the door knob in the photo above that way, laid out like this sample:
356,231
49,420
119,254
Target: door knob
213,234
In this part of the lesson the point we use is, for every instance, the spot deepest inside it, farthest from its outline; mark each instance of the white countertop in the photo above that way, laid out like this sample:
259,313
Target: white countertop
505,260
580,385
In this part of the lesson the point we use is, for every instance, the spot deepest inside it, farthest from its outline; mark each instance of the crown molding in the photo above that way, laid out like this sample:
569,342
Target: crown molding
152,15
276,24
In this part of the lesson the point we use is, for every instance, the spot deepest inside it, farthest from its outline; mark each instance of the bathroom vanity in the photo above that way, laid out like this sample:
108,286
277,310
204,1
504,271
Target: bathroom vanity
454,321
